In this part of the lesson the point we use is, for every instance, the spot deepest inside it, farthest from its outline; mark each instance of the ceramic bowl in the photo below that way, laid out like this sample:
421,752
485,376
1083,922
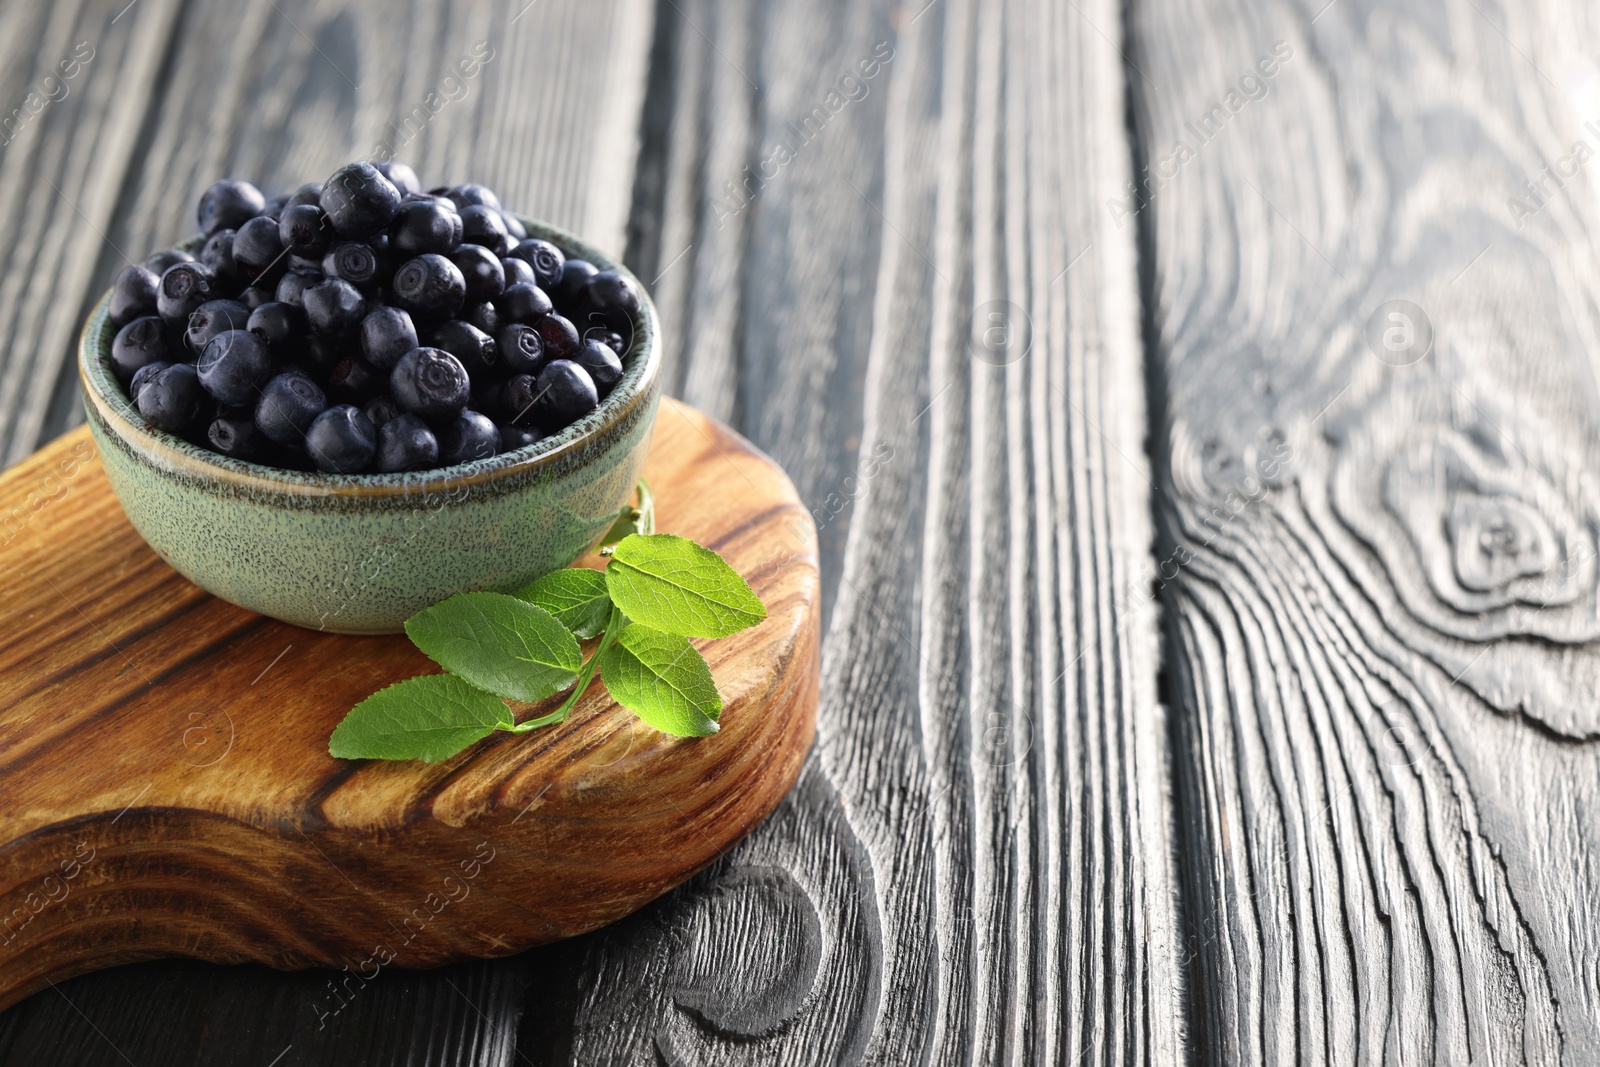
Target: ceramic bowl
361,553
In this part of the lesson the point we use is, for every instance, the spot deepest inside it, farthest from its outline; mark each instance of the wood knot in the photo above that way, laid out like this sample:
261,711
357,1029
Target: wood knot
1489,529
1244,461
748,986
1500,541
1486,536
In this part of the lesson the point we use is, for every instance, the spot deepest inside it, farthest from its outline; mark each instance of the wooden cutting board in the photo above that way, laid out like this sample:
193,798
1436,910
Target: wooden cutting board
165,785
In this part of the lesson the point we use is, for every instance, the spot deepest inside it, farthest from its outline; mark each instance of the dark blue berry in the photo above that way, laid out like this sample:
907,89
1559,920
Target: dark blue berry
518,272
430,382
484,316
303,264
217,255
481,270
610,338
227,205
474,348
520,348
608,301
341,440
292,288
184,287
381,408
352,261
609,291
160,261
281,326
233,366
134,293
406,444
238,436
400,176
469,193
424,226
514,437
212,318
560,337
387,334
545,258
334,308
430,285
258,250
359,200
309,193
517,399
524,303
142,376
171,399
483,225
305,230
564,393
467,437
254,296
287,405
575,275
514,227
275,206
139,344
602,364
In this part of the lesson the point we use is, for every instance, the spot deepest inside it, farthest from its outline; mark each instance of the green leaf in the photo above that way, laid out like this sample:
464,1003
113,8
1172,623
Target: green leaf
576,596
664,680
499,643
429,718
676,586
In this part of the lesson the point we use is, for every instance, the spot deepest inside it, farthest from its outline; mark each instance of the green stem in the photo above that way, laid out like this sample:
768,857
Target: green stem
613,627
647,509
646,524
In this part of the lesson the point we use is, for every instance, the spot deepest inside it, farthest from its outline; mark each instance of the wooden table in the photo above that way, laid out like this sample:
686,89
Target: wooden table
1212,605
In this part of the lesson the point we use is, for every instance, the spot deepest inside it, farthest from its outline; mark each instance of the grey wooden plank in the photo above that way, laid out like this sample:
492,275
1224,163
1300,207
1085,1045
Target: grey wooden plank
1384,631
550,120
283,93
975,866
74,81
193,1013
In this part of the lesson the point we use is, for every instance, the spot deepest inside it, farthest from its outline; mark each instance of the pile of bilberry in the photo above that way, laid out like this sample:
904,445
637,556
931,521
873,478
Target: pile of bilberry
366,325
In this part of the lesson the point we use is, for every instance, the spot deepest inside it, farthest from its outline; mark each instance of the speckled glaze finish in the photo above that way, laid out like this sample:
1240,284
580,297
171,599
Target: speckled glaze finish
362,553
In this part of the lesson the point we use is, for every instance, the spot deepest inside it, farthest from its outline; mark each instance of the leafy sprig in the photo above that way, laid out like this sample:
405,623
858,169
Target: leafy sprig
656,592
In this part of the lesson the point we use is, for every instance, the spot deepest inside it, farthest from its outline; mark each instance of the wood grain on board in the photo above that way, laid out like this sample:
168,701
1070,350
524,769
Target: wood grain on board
1384,636
165,786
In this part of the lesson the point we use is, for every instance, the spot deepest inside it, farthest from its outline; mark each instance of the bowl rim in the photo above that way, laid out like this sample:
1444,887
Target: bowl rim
113,408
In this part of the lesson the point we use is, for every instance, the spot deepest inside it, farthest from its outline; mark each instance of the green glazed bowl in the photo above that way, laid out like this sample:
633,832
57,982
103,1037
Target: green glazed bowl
361,553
